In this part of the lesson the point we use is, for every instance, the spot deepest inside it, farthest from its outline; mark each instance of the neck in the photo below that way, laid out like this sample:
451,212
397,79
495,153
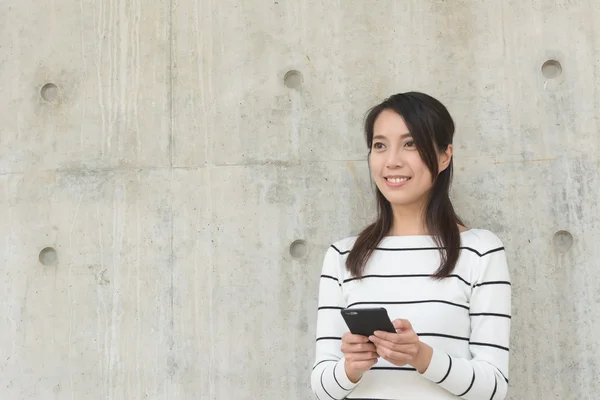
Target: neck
409,220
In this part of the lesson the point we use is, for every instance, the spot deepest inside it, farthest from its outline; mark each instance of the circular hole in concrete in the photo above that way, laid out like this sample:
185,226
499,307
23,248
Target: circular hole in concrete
298,248
293,79
551,69
49,92
48,256
562,241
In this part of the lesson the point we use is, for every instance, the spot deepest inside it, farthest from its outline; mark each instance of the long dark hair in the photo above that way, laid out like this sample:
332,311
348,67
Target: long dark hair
432,130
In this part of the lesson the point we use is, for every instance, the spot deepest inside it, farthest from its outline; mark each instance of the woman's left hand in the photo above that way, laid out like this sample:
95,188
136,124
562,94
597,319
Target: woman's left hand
403,347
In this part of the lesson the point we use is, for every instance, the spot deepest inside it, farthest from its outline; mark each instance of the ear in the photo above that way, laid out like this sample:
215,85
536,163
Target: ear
444,158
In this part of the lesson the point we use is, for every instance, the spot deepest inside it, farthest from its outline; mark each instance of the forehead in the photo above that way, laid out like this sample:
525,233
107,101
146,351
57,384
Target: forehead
390,124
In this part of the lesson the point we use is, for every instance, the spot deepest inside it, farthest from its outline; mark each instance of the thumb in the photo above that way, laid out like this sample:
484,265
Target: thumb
402,325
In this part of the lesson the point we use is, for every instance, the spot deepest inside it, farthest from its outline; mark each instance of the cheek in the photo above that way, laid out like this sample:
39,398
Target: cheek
375,166
425,179
422,173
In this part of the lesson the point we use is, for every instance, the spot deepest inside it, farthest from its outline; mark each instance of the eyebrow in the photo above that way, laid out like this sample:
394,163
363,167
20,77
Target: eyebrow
403,136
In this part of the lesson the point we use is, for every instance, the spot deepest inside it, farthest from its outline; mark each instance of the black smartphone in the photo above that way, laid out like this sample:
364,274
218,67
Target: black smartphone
365,321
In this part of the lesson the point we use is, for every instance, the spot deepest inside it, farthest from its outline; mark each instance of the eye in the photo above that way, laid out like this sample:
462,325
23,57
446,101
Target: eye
378,145
410,143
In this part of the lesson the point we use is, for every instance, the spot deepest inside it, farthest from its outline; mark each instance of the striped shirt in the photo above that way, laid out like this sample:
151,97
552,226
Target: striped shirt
465,318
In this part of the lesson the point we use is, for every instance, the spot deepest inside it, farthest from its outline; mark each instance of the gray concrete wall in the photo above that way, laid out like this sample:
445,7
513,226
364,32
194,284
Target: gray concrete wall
171,169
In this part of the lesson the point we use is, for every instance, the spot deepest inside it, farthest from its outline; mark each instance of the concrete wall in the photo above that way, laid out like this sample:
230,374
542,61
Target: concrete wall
170,168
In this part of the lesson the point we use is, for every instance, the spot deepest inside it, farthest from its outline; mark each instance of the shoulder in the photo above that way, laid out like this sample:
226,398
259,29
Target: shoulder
482,241
343,246
335,256
491,264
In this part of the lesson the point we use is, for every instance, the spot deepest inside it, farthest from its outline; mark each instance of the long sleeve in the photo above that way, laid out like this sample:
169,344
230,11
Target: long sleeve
485,376
328,377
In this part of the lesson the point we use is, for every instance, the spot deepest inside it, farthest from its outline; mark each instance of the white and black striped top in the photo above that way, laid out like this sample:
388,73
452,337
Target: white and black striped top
465,318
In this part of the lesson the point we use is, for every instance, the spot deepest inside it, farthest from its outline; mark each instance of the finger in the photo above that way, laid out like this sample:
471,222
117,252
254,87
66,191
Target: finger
364,365
395,346
403,349
398,338
364,347
392,356
380,342
402,325
388,336
350,338
371,355
359,348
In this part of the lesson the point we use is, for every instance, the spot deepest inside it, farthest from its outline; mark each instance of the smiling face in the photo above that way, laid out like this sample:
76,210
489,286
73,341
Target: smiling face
396,164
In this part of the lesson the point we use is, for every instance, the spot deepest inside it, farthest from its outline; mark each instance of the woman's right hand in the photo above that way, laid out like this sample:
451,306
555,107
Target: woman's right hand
359,355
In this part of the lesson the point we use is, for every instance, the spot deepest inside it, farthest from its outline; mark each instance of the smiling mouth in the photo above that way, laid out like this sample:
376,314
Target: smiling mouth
393,179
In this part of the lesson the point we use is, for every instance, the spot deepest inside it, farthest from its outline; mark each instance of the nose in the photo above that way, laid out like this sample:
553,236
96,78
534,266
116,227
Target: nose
394,159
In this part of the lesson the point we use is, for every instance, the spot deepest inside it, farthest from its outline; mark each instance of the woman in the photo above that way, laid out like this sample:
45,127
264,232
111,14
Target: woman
446,288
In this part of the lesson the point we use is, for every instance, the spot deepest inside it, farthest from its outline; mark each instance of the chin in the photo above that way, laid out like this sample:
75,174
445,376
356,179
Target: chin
400,203
401,200
398,200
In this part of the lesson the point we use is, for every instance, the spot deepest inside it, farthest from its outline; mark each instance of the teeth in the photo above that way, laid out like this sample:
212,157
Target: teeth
397,180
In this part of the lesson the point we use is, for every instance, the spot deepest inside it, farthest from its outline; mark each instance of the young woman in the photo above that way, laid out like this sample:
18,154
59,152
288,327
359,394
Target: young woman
445,287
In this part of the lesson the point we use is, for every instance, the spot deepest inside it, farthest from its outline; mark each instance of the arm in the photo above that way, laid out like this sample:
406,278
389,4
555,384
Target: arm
328,377
485,376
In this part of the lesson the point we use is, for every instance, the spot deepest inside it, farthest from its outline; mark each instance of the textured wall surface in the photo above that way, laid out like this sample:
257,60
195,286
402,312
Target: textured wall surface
170,168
